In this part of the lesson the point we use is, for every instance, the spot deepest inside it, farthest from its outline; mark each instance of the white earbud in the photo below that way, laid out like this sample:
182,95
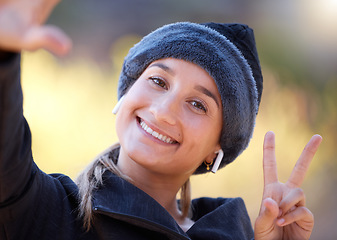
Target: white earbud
217,161
119,103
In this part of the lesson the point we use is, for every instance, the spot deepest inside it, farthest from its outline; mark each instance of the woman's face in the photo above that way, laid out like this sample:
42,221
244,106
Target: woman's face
170,119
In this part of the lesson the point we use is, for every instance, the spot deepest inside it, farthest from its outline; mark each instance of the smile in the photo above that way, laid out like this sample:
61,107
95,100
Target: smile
159,136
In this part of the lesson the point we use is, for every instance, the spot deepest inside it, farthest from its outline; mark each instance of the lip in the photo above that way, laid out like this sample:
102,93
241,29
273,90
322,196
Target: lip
157,135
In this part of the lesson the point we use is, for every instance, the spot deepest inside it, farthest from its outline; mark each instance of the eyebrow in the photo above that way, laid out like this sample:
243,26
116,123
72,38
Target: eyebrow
208,93
162,66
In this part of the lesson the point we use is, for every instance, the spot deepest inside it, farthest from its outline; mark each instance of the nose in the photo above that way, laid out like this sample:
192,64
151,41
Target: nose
165,109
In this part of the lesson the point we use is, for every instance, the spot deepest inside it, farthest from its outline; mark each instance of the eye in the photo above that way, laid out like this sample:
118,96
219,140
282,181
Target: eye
159,82
199,106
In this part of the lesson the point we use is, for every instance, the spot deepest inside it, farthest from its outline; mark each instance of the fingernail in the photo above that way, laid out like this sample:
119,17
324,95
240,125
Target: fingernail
280,221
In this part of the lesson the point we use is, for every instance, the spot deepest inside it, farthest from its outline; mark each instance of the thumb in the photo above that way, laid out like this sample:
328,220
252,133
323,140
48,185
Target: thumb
268,213
48,37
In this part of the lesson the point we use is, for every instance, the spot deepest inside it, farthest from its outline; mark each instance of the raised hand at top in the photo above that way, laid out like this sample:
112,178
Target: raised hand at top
22,27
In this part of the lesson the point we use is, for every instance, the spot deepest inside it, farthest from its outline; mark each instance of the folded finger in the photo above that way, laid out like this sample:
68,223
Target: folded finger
301,215
295,198
50,38
268,213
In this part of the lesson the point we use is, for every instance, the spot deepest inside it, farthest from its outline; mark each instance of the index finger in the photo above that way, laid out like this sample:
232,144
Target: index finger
298,174
269,159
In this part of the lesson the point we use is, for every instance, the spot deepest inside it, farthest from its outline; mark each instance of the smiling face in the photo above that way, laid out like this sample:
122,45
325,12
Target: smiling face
170,120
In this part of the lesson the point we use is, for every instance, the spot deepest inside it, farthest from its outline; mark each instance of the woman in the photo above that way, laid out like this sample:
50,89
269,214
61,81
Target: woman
189,94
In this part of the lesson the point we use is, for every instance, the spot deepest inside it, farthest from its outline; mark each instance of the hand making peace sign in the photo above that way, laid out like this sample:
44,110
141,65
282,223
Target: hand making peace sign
283,214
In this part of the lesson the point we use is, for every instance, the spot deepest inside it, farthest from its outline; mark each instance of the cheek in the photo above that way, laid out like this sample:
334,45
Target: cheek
204,134
203,130
137,94
134,99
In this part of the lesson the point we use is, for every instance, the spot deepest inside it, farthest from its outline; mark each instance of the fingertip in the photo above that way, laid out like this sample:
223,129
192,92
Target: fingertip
62,48
50,38
315,141
268,202
58,42
269,139
280,222
270,133
318,137
271,207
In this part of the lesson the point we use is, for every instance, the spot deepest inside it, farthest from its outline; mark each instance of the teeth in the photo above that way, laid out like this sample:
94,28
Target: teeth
155,134
149,130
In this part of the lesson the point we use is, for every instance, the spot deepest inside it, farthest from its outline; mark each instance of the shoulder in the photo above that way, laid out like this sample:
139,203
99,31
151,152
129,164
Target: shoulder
66,184
221,218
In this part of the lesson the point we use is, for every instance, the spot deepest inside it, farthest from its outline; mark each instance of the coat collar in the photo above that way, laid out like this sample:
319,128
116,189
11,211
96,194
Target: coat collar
120,199
219,218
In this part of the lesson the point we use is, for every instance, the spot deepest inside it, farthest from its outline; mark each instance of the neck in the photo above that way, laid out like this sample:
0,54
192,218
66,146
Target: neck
162,188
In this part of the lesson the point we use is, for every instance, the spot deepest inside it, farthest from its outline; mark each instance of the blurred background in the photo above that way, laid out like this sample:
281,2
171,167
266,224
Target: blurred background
68,101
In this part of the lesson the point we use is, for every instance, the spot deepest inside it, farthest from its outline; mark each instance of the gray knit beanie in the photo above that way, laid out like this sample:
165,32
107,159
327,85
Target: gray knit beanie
228,53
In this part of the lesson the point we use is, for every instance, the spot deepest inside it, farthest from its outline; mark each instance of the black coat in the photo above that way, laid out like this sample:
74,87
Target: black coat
35,205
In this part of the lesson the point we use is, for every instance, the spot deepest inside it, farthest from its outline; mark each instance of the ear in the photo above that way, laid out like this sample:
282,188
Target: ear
215,156
211,157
